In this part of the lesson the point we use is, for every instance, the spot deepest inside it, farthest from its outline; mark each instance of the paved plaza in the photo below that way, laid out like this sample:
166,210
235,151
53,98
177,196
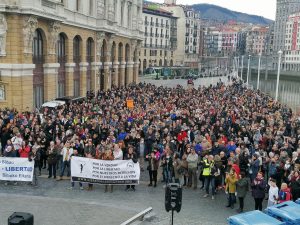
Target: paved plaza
51,203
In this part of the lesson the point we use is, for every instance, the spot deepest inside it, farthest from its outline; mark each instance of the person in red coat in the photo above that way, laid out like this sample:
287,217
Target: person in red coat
24,150
284,193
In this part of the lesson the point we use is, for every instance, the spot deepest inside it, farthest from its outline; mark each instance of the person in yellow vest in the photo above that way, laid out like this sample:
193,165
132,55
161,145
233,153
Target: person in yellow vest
208,174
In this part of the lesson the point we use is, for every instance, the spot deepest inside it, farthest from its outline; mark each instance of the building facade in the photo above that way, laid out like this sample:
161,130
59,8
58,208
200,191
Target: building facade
256,40
188,38
160,37
284,9
292,43
57,48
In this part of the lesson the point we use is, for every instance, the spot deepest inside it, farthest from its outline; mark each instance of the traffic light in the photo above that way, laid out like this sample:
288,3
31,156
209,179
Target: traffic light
173,197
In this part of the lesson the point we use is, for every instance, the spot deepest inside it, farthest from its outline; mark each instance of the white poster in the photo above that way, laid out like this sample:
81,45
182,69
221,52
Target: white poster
16,169
105,172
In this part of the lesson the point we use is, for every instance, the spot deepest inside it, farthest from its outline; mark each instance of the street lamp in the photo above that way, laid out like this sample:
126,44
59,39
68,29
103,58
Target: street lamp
248,72
258,73
278,74
242,67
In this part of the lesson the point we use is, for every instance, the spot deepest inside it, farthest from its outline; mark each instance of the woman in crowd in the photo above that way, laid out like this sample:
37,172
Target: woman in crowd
258,187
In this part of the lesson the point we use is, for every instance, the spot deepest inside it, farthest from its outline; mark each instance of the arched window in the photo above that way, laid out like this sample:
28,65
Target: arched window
37,47
61,46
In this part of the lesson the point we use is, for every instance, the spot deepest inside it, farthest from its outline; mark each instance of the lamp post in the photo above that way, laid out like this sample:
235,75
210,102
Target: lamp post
242,67
248,71
278,74
258,73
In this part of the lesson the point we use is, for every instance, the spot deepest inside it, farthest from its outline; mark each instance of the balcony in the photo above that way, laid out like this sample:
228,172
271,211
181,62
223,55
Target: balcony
187,25
161,35
162,25
187,42
151,34
186,51
195,27
156,35
167,36
146,34
195,43
146,23
187,34
167,26
157,24
152,23
195,34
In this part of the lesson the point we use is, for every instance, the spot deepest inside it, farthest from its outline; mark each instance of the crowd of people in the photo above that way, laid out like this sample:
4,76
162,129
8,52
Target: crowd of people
225,137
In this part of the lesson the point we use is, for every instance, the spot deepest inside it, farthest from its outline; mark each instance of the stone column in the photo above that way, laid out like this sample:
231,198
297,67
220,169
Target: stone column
107,76
116,73
122,74
50,81
83,69
95,76
69,68
136,72
129,68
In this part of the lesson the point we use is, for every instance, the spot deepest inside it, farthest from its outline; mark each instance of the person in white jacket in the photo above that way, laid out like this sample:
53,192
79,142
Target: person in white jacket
118,154
273,192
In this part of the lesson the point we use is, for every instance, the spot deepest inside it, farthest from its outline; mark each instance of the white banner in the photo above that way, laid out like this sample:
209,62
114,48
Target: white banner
104,172
16,169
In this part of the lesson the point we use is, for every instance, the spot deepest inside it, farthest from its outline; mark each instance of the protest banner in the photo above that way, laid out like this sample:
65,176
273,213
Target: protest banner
16,169
130,103
96,171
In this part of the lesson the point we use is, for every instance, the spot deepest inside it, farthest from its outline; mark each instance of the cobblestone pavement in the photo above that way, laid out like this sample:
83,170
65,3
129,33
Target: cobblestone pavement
52,204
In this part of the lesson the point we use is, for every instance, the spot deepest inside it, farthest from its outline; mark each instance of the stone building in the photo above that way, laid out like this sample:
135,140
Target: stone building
291,60
284,8
55,48
160,37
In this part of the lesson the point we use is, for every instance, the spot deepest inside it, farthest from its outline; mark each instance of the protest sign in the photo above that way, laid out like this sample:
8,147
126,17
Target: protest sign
104,172
16,169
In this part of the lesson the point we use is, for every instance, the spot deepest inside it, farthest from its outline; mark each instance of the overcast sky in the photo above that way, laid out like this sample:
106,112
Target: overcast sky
264,8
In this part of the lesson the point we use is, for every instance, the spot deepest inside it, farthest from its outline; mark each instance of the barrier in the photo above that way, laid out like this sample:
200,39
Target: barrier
288,212
253,218
139,216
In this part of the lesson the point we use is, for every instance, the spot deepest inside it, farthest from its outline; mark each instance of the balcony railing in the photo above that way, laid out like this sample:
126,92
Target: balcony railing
195,34
187,25
162,25
161,35
156,35
146,23
194,43
187,34
157,24
152,23
167,36
151,34
167,25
